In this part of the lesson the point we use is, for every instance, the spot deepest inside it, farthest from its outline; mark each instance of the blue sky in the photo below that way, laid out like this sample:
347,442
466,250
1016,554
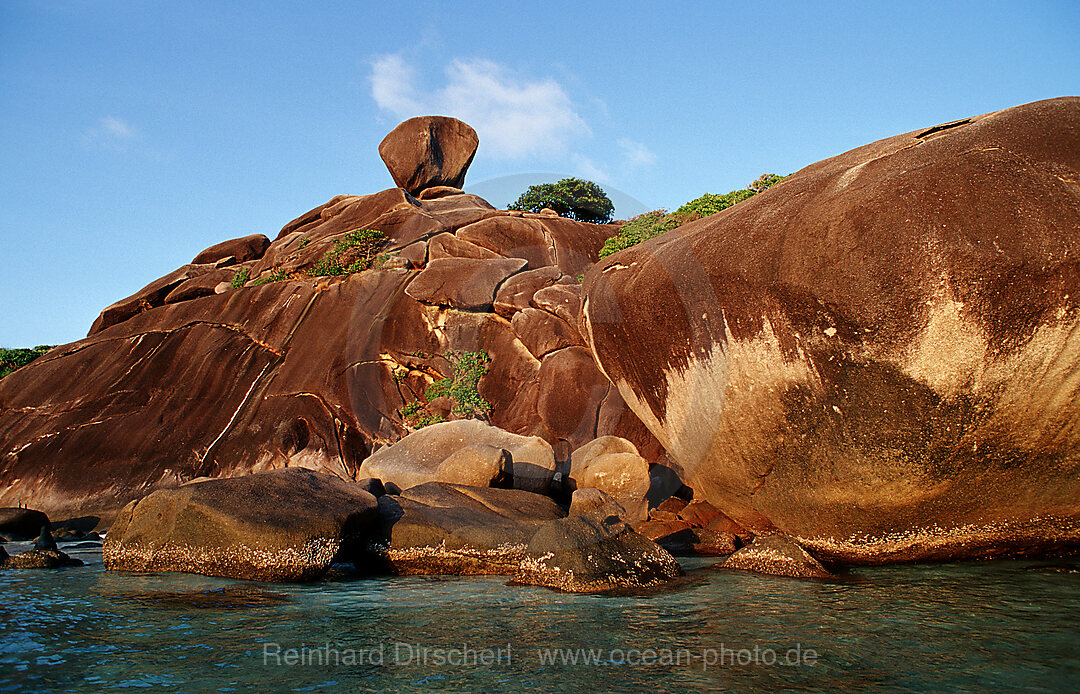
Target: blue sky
135,134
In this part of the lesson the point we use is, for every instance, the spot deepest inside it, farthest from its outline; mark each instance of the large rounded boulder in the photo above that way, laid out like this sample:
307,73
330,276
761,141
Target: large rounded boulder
878,355
283,525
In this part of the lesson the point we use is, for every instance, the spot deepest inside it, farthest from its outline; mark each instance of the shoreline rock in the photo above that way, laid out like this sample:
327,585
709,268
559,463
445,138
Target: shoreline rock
284,525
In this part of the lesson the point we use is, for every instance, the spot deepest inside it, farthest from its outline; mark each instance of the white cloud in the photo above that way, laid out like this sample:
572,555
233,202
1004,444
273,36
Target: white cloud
514,117
635,154
392,85
110,132
114,127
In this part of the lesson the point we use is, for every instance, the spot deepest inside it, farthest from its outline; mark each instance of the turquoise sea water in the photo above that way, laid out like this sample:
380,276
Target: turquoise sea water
992,626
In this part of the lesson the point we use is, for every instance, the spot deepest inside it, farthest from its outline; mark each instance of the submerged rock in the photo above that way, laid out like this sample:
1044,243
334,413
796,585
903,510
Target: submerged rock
587,554
776,554
284,525
38,559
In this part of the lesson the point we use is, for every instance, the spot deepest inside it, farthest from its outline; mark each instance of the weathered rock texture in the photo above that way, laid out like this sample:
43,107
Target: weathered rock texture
439,528
778,555
877,356
589,554
428,455
429,152
191,377
285,525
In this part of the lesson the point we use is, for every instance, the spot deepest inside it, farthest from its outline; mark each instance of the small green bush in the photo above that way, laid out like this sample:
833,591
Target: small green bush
641,228
240,278
275,276
11,359
709,204
461,387
354,252
417,417
651,224
765,181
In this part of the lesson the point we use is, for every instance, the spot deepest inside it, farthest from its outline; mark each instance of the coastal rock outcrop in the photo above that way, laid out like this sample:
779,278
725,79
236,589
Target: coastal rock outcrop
284,525
590,554
877,355
439,528
778,555
22,523
312,351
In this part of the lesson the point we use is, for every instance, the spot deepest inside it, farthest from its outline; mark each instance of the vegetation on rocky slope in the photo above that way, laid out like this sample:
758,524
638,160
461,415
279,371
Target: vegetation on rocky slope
575,198
11,359
651,224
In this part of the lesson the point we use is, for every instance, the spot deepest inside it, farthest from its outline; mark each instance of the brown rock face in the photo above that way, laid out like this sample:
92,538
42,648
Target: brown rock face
438,528
179,382
876,356
243,249
429,151
778,555
285,525
584,554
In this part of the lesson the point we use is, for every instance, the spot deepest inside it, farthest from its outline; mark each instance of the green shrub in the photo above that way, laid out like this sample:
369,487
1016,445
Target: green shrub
641,228
575,198
461,387
275,276
651,224
240,278
765,181
417,417
11,359
709,204
354,252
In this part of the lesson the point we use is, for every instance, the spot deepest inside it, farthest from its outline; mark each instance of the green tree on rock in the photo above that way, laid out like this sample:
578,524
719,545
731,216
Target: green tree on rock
575,198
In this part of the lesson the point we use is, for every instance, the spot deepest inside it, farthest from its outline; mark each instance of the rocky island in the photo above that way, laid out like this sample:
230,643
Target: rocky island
870,362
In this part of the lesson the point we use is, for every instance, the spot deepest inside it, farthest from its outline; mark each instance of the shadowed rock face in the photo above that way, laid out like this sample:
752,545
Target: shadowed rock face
878,356
192,377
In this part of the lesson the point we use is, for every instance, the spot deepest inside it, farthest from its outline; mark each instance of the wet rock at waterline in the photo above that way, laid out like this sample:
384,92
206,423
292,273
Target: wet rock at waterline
22,523
875,355
439,528
284,525
778,555
587,554
37,559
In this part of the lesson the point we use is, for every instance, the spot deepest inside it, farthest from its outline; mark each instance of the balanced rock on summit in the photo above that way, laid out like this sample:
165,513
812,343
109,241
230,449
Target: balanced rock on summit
429,151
